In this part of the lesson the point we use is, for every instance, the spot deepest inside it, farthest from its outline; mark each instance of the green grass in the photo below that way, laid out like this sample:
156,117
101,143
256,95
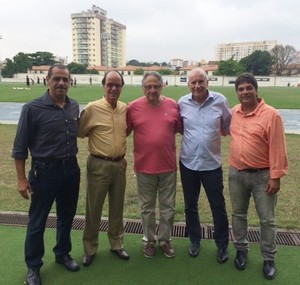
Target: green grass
288,210
278,97
109,269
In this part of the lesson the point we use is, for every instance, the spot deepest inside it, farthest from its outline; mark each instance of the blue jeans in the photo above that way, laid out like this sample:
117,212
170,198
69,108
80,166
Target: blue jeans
51,182
212,182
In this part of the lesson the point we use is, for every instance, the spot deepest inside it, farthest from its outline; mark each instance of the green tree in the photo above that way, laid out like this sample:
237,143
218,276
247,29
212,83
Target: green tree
139,71
133,62
165,72
9,70
283,56
77,68
42,58
258,63
229,67
23,62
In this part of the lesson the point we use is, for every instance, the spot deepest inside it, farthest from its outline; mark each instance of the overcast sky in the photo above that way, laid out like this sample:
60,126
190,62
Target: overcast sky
157,30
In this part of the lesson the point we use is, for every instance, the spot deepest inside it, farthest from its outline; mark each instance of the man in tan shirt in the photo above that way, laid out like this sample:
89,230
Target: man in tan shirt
104,123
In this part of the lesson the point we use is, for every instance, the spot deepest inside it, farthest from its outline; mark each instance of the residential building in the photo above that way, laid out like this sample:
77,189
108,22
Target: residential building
98,40
242,49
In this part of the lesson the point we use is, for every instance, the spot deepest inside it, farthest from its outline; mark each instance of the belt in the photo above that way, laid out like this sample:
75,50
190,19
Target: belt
107,158
252,170
56,161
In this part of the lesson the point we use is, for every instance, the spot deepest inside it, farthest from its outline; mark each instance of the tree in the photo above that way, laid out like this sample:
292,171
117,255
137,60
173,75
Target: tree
165,72
77,68
139,71
283,56
42,58
23,62
229,67
257,63
9,70
133,62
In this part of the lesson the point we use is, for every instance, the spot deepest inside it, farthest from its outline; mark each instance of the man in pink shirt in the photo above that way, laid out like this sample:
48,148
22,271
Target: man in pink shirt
258,159
155,120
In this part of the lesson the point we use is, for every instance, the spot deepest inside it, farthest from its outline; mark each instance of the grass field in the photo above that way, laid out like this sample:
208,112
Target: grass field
278,97
288,210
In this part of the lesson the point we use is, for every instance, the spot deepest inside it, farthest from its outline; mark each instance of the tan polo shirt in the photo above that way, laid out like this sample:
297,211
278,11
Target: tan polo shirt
105,127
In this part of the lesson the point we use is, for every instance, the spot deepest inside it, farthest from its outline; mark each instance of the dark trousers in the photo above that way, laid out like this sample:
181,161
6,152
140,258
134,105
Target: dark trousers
51,181
212,182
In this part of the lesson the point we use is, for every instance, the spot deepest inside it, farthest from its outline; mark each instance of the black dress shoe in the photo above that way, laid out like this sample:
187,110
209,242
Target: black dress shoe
269,269
121,253
194,249
222,255
33,277
68,262
88,259
241,260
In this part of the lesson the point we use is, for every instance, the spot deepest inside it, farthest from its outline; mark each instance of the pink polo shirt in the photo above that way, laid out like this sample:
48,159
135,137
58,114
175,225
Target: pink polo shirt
154,130
258,140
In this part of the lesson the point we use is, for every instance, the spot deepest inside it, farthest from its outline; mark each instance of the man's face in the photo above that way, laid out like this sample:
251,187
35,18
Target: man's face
59,82
197,84
152,88
112,87
247,94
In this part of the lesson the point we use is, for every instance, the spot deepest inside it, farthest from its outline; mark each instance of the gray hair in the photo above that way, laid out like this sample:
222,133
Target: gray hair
200,71
152,73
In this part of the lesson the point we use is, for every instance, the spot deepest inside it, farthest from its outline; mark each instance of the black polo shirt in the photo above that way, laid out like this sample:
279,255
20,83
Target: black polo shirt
47,130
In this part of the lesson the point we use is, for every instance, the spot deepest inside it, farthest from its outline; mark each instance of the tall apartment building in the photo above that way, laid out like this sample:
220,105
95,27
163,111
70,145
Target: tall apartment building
240,50
98,40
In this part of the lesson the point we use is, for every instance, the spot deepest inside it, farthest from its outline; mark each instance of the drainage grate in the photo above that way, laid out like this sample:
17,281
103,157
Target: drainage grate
135,227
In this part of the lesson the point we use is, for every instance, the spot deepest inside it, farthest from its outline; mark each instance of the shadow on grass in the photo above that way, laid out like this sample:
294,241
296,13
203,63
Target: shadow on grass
109,269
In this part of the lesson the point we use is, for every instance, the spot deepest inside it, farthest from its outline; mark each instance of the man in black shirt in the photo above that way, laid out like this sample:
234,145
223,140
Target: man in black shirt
48,129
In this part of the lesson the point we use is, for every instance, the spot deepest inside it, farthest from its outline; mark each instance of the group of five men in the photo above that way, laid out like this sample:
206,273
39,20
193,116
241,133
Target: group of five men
49,126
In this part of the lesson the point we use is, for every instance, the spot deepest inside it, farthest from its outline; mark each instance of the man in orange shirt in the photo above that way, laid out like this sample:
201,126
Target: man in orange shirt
258,159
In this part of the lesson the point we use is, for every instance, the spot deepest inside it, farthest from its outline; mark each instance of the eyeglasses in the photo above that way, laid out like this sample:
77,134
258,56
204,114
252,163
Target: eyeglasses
112,85
149,87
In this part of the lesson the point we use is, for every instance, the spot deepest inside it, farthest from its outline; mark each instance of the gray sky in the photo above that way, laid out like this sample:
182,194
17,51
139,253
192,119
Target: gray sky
157,30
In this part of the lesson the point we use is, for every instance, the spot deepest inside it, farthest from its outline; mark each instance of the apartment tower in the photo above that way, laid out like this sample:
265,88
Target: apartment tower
242,49
98,40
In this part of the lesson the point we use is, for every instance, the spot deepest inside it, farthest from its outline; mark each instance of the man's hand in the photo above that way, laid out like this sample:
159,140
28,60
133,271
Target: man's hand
24,188
273,186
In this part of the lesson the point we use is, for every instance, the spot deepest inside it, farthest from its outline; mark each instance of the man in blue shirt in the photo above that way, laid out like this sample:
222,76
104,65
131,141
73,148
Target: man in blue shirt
206,115
48,129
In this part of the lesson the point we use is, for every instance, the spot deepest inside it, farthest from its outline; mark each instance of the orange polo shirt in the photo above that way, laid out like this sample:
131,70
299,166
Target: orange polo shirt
258,140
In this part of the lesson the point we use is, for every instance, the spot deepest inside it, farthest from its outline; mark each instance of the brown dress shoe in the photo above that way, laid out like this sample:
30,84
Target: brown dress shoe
88,259
121,253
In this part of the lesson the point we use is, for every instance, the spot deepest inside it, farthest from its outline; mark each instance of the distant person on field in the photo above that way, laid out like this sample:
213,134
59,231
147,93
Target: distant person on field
206,115
258,159
27,81
155,120
104,123
48,130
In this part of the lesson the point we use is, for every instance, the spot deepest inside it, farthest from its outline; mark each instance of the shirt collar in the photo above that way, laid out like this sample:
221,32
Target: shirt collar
256,112
47,100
